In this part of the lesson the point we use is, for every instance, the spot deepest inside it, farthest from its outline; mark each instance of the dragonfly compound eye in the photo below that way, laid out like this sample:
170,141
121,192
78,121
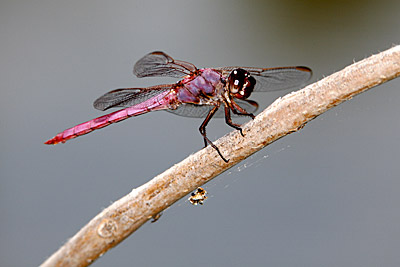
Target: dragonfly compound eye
241,83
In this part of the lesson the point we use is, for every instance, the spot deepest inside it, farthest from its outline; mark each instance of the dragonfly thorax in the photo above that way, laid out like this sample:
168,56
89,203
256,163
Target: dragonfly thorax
241,83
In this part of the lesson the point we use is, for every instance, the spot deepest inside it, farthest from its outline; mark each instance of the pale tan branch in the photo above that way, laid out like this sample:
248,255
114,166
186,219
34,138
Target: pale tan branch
286,115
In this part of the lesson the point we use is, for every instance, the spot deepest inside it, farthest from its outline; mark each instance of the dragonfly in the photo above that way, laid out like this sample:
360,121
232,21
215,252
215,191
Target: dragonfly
200,93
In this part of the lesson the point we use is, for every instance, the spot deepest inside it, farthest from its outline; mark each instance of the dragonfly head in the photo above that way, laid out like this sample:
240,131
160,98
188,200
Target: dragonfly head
241,83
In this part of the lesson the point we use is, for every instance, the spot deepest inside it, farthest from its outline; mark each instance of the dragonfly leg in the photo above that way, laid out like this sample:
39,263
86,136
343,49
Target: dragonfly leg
202,130
228,120
238,110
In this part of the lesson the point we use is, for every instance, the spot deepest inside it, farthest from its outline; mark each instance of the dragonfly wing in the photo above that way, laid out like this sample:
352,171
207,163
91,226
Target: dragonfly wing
274,79
201,111
127,97
192,110
160,64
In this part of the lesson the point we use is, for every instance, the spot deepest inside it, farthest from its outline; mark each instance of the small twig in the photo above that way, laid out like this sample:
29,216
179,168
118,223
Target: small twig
284,116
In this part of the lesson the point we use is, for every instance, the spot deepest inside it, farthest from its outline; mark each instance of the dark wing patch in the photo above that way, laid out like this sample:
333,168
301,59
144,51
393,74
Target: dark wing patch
161,65
127,97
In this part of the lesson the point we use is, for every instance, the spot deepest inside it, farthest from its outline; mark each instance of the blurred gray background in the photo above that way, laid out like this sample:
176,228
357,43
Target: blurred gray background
327,195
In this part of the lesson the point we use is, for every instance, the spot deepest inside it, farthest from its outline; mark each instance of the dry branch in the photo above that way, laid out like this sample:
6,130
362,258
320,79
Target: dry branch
284,116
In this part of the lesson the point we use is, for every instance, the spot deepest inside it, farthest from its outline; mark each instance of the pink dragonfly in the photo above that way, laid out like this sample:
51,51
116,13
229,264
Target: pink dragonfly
200,93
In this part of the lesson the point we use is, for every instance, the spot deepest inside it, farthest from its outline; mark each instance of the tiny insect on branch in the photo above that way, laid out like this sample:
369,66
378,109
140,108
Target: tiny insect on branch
284,116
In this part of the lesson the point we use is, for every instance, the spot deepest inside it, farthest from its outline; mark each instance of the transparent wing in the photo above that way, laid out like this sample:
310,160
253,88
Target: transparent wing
127,97
274,79
201,111
160,64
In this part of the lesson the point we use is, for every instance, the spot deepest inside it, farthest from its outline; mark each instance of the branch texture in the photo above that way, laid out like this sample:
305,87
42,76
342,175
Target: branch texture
286,115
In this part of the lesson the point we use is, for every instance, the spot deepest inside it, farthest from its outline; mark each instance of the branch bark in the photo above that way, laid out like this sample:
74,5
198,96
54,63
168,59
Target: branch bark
286,115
